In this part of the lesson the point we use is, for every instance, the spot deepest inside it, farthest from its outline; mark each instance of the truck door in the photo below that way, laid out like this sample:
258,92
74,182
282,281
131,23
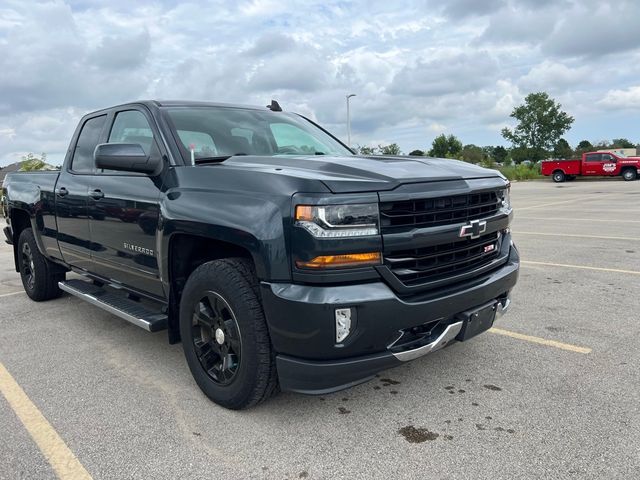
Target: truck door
600,164
71,194
609,164
124,211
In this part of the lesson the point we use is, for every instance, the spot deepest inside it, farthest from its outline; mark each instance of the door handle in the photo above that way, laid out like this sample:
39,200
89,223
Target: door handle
61,192
96,194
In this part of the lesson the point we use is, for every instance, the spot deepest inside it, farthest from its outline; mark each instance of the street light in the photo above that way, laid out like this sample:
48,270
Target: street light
349,120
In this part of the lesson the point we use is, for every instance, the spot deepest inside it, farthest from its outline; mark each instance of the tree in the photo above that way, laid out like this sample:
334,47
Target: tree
584,146
416,153
31,163
392,149
445,147
472,154
364,150
621,143
562,149
541,123
499,154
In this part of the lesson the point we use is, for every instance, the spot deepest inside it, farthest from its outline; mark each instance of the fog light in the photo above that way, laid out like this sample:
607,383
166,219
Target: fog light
343,324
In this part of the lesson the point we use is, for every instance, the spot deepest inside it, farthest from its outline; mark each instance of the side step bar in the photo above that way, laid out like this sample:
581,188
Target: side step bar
129,310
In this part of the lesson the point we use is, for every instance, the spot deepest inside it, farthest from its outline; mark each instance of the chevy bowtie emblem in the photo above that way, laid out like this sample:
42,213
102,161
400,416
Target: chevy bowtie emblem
474,229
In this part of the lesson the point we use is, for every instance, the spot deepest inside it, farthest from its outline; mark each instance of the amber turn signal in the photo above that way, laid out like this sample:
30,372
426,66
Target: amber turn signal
304,213
344,260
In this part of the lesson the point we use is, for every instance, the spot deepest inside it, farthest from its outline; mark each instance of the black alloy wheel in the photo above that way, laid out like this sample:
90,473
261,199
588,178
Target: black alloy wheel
28,268
216,338
224,334
39,275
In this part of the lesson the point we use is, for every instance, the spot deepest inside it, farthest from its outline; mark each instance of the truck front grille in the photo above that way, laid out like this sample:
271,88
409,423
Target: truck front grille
437,262
432,212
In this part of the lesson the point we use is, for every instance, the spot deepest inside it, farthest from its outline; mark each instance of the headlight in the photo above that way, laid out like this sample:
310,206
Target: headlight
335,221
506,199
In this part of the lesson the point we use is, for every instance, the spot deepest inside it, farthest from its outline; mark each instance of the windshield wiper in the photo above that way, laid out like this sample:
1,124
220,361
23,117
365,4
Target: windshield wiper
220,158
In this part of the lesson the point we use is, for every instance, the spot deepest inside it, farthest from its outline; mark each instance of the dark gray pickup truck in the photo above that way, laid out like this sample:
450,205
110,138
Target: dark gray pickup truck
278,257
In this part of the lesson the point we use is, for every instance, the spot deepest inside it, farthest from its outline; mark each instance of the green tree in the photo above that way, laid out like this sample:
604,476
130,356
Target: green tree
30,162
621,143
416,153
562,149
364,150
445,147
472,153
584,146
541,123
392,149
499,154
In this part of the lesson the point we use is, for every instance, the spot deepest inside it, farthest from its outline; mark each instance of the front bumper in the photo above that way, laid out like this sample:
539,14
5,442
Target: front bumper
302,326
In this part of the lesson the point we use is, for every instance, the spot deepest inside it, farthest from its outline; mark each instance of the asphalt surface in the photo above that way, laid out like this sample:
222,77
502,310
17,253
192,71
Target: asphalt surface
496,407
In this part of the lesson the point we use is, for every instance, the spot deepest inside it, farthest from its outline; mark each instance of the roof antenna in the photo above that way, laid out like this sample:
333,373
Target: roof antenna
275,106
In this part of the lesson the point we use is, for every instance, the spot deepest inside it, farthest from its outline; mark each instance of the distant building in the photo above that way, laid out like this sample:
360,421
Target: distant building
14,167
622,152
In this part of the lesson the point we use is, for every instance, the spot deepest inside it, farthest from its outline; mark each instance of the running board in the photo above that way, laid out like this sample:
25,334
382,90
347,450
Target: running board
129,310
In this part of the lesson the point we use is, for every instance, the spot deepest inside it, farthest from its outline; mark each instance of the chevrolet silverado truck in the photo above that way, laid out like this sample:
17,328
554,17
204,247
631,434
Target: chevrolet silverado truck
278,257
592,164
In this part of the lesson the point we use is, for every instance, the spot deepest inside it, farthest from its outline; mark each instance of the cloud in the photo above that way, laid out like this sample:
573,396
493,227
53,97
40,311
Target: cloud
415,65
459,73
627,99
554,76
596,30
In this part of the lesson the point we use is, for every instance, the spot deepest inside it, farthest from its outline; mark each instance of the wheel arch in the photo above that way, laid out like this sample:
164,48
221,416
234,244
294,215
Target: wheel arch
20,221
185,253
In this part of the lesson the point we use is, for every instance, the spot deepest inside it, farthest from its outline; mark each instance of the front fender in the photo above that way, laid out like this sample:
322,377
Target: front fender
251,222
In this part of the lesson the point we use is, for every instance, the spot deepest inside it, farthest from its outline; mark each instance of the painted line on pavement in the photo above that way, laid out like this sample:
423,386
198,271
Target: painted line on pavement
540,341
582,267
575,199
62,460
575,235
578,219
10,294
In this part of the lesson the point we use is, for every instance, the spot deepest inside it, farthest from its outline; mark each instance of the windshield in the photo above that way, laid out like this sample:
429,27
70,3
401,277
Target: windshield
209,132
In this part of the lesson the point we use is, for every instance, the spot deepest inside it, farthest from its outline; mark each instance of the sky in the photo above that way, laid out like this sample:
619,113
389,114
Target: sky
417,68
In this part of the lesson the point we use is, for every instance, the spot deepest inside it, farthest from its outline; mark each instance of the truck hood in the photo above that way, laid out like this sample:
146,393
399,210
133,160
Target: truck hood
364,173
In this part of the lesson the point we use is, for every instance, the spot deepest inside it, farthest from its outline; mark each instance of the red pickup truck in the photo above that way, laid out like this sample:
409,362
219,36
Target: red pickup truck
592,163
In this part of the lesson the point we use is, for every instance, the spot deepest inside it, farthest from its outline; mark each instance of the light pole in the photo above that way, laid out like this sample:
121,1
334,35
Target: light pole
349,120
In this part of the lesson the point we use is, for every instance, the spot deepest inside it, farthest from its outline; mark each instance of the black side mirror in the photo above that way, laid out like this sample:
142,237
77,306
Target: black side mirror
125,157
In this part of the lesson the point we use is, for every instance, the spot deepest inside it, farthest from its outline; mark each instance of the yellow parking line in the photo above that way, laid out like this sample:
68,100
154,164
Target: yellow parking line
10,294
567,219
583,267
541,341
62,460
575,235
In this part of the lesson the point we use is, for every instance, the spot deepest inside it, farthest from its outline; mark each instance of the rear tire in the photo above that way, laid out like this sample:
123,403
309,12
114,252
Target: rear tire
558,176
224,334
39,275
629,174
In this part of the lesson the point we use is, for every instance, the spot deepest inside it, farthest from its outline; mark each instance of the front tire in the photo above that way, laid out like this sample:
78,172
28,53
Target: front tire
224,334
629,175
558,176
39,276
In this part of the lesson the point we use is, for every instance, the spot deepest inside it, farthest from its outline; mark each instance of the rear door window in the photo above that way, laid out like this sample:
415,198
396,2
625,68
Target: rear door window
594,157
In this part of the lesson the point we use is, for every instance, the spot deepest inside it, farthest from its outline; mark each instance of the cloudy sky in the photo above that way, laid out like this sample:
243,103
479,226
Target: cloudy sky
418,68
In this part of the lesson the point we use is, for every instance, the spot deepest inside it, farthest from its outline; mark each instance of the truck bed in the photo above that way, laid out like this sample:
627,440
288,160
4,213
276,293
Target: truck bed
569,167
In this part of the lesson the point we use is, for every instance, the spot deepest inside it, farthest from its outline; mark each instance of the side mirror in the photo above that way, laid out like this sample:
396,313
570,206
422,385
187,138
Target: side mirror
125,157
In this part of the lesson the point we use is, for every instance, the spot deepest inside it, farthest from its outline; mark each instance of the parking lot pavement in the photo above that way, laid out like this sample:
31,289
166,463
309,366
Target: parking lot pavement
124,403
